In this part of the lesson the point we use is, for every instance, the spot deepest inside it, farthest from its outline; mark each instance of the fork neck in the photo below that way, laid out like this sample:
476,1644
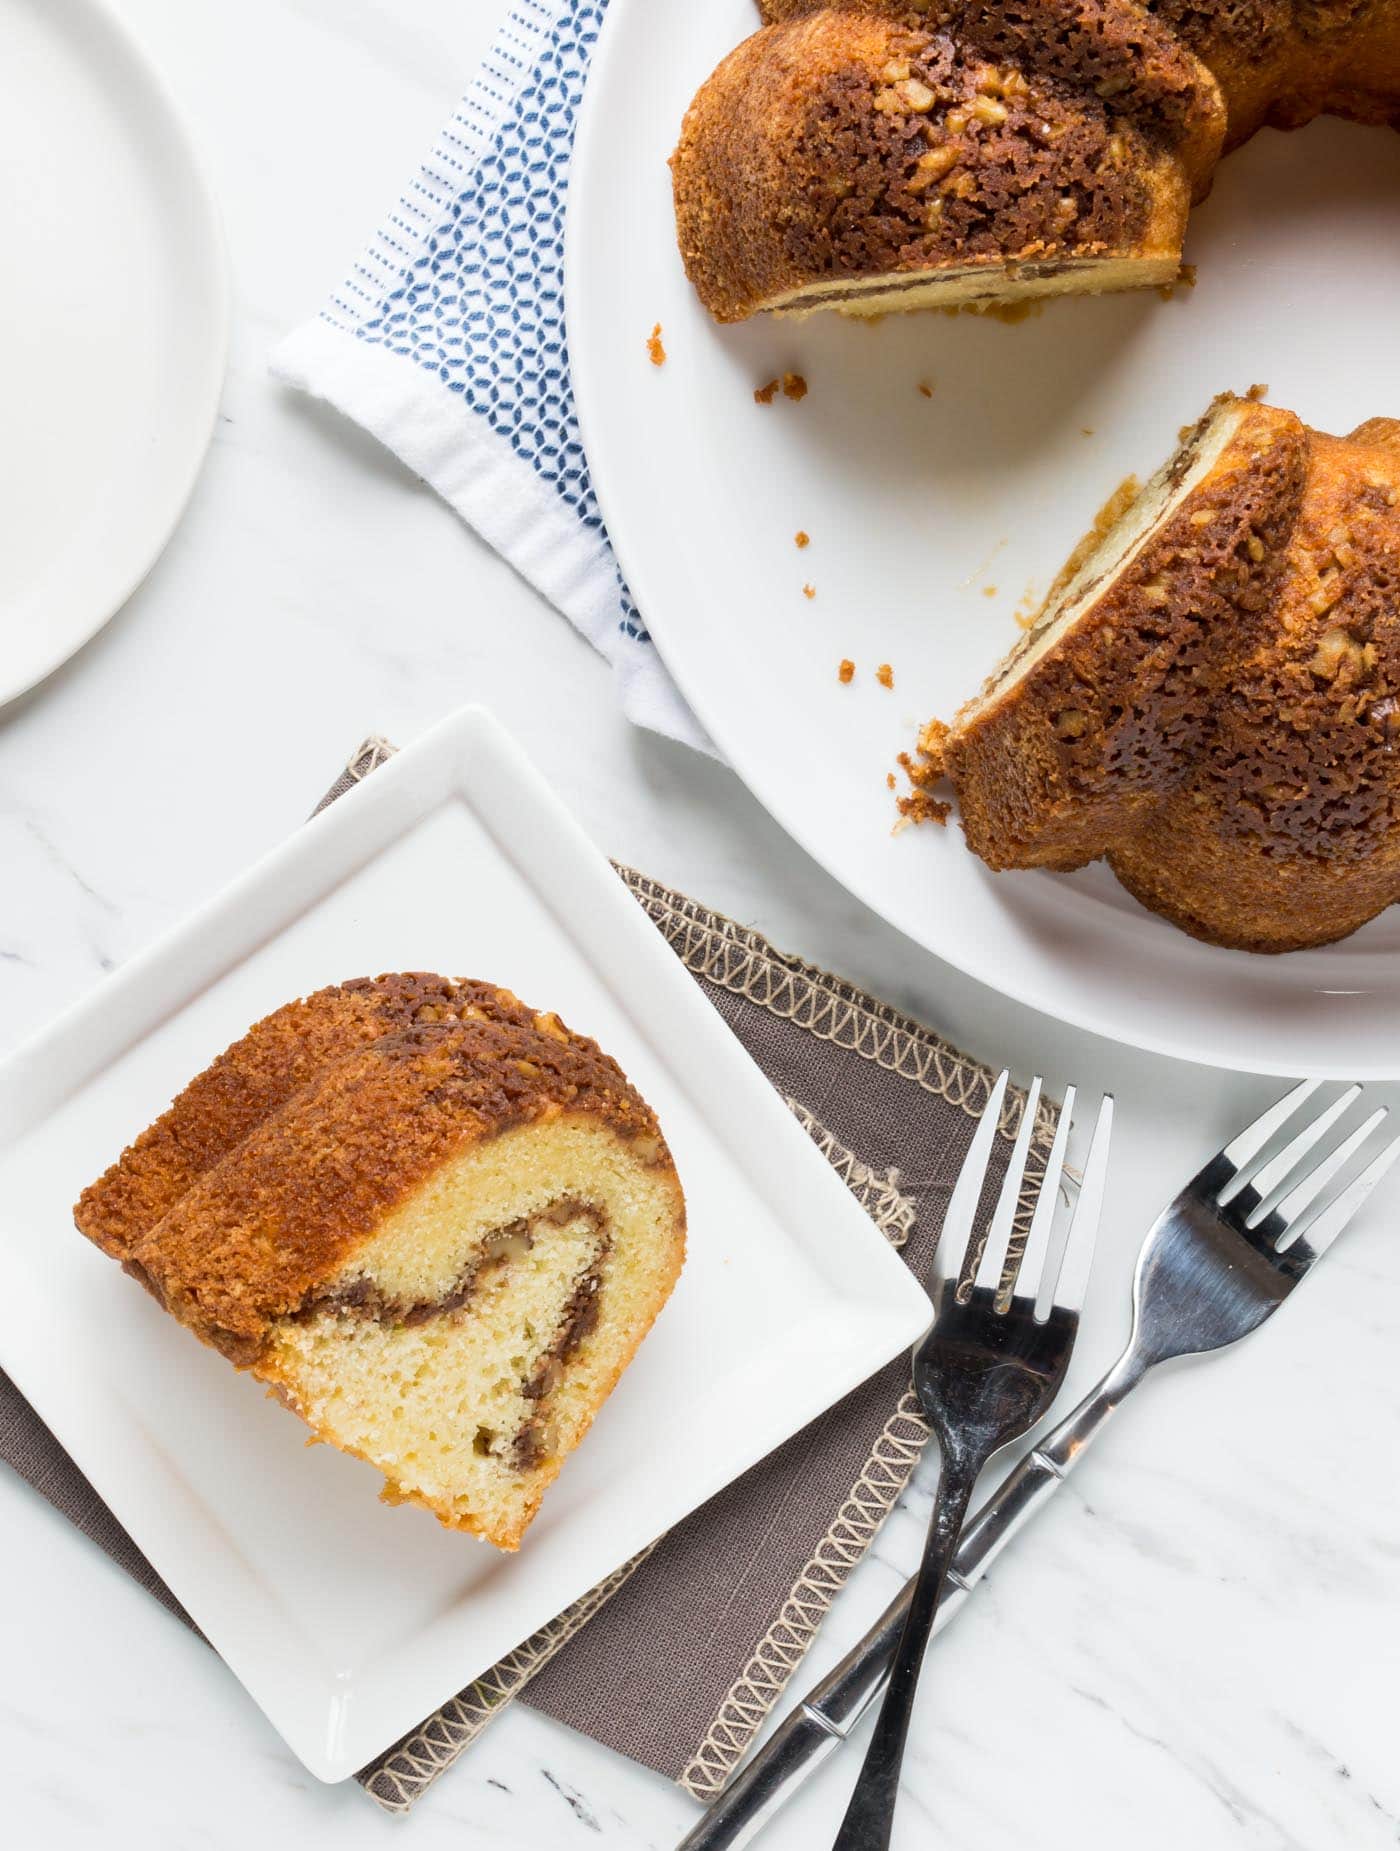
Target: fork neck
1062,1448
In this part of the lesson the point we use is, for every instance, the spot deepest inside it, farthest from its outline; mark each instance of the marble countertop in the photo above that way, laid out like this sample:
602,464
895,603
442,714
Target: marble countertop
1201,1641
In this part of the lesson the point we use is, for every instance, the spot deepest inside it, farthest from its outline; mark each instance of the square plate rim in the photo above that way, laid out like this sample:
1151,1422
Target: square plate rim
417,781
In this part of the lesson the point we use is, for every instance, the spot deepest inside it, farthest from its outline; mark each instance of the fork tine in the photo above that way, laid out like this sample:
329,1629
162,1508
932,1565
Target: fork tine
1249,1142
1271,1175
1287,1213
993,1262
1083,1229
1318,1235
1028,1276
950,1255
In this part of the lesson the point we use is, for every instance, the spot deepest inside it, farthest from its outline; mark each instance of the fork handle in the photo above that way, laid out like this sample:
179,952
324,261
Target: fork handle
869,1817
1041,1473
835,1705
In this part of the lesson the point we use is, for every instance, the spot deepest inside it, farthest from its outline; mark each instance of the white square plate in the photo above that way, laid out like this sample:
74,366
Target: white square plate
347,1621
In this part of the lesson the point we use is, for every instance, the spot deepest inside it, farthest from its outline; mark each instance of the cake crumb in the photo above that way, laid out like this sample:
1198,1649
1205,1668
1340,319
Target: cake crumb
791,385
1029,608
654,347
884,674
802,537
989,591
1086,430
1185,278
925,389
924,769
846,672
919,807
889,780
809,591
1258,393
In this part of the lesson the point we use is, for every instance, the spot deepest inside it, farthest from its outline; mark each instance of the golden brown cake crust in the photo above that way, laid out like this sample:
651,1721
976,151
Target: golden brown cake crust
1288,834
842,144
1113,49
257,1184
1222,722
256,1076
1283,62
1111,716
1064,133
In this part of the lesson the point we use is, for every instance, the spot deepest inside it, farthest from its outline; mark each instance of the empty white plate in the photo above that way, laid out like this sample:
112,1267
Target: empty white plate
113,327
348,1621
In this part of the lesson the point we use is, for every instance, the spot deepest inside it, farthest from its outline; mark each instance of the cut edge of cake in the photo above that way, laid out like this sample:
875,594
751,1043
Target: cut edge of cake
1127,538
993,282
1101,703
515,1307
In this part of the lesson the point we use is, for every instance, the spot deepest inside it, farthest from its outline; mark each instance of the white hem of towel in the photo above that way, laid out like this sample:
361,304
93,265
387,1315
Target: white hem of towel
494,491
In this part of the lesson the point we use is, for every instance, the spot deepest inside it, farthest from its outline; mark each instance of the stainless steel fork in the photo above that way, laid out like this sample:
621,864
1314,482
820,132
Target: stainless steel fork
1221,1258
987,1370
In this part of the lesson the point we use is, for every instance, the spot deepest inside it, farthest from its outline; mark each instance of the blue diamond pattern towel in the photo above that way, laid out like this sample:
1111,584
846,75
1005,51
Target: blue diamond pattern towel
446,340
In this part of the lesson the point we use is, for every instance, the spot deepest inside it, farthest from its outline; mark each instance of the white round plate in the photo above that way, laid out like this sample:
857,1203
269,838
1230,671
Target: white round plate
931,519
113,327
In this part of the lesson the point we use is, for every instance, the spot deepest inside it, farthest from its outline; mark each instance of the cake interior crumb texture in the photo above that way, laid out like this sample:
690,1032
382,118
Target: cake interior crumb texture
471,1410
975,286
1144,516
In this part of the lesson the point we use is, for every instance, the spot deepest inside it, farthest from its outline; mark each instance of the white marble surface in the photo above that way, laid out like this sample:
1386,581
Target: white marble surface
1201,1642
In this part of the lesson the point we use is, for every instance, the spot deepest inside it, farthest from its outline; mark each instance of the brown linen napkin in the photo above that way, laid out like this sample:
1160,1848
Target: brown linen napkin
739,1589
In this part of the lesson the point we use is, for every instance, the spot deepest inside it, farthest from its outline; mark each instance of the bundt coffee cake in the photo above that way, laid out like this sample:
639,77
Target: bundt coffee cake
871,155
436,1223
1211,702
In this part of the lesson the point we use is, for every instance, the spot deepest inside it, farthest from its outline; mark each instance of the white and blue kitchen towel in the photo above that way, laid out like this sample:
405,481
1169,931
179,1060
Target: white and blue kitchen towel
446,340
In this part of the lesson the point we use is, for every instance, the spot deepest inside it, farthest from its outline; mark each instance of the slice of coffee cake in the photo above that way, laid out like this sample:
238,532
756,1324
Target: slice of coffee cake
437,1223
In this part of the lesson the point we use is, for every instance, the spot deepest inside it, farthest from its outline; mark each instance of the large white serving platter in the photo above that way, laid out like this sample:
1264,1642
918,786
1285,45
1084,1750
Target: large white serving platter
348,1621
918,507
113,327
